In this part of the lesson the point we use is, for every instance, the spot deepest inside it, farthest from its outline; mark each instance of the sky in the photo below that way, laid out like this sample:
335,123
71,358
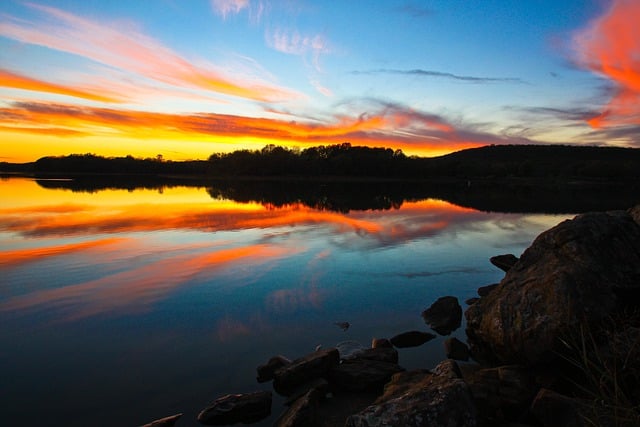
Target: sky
186,79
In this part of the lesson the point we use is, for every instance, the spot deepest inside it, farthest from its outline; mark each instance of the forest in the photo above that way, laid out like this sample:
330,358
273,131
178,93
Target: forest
347,161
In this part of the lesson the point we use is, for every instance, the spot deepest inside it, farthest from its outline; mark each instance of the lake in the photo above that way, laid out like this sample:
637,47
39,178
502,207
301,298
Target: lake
123,304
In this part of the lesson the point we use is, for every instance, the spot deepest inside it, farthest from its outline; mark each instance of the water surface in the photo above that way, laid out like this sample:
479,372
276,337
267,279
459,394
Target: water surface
120,306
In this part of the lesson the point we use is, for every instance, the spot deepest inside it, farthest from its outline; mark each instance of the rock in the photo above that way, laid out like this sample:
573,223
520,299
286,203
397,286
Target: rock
420,398
554,409
348,349
444,316
411,339
237,408
471,301
305,369
382,354
320,385
456,349
343,325
380,342
501,393
303,412
267,371
577,273
483,291
504,262
164,422
448,368
363,374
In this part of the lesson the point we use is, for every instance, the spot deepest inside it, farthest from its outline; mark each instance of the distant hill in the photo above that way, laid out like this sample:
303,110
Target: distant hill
344,160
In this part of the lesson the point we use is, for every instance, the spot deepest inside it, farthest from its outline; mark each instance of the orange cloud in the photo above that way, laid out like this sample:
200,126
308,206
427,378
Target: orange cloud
132,51
389,126
18,81
610,46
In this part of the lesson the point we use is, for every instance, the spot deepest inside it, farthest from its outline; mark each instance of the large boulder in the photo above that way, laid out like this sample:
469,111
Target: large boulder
578,272
420,398
237,408
444,316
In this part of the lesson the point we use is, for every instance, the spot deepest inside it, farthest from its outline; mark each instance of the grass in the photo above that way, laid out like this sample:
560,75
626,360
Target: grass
607,371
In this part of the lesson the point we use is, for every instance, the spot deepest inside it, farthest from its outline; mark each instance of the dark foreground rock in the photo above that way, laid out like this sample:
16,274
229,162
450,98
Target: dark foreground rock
420,398
411,339
577,273
554,409
164,422
314,365
444,316
237,408
483,291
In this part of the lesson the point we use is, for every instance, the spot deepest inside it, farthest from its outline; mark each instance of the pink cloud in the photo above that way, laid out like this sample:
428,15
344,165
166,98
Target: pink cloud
124,46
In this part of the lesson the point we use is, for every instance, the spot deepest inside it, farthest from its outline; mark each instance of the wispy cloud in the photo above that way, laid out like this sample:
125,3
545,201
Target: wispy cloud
293,42
431,73
414,10
227,7
610,47
20,81
123,46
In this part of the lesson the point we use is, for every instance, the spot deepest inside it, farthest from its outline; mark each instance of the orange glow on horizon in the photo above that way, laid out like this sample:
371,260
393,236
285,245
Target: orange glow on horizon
610,46
215,131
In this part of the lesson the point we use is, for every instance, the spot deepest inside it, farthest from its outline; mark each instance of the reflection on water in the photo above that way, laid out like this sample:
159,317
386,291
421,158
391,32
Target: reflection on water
121,306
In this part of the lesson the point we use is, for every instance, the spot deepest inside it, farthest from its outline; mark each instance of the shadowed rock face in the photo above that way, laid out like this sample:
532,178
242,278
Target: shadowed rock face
582,270
444,316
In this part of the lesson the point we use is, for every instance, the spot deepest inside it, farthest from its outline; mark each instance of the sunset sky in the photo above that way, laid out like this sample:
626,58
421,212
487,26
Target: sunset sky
185,79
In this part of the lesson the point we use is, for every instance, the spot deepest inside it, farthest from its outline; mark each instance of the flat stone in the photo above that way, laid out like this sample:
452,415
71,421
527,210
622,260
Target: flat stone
164,422
305,369
237,408
504,262
363,374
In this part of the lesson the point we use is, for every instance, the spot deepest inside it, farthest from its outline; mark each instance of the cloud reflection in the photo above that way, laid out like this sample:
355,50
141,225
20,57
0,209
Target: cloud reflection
136,289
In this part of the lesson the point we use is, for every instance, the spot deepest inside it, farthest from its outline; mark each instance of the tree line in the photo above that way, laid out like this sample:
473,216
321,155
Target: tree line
345,160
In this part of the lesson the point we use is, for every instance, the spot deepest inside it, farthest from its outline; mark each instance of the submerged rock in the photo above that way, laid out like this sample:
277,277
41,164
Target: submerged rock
411,339
579,272
444,316
237,408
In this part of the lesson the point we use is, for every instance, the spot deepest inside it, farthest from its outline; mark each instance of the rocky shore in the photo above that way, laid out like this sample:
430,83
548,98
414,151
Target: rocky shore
555,343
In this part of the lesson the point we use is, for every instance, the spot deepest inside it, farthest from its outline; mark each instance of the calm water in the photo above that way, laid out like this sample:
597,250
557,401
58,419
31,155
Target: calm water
118,307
